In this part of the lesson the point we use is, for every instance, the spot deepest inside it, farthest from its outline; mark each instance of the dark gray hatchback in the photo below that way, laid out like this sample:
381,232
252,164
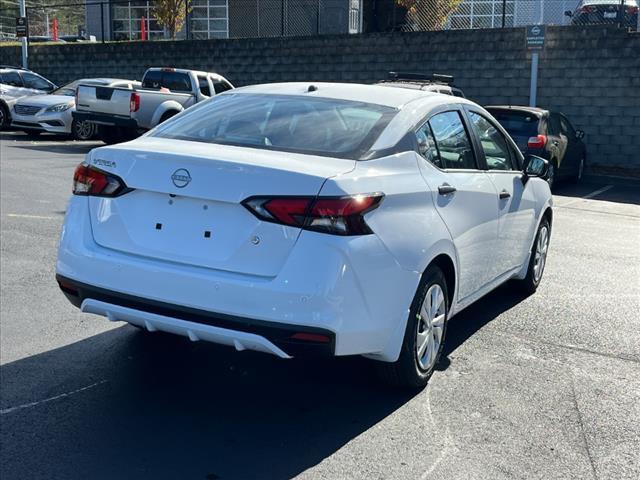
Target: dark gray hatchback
547,134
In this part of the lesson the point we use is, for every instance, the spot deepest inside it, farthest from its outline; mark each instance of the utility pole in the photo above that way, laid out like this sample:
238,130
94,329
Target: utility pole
23,40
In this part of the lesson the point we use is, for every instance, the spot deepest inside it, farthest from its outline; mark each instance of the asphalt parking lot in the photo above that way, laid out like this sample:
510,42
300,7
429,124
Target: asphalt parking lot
541,387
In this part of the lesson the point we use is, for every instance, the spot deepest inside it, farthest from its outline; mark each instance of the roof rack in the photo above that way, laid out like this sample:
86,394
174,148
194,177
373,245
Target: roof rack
420,77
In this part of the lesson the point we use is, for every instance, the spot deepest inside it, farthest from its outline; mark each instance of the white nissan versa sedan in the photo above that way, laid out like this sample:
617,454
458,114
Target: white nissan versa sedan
289,218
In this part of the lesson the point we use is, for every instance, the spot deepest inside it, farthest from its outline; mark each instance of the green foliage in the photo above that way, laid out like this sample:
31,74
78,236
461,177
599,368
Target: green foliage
171,14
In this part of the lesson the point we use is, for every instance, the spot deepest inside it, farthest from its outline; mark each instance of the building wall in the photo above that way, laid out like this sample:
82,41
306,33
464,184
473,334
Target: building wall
590,73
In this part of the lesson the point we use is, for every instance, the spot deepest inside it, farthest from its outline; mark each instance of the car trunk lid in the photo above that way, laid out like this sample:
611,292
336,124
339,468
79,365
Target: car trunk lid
186,203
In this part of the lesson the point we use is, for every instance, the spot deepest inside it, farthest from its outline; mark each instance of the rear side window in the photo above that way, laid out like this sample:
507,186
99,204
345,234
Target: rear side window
518,124
554,124
12,78
174,81
452,141
427,146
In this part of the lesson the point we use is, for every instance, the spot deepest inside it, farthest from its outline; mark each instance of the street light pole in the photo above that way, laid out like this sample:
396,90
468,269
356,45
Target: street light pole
23,40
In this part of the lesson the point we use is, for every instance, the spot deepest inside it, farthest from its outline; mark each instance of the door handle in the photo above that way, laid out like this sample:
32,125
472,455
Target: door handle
504,194
446,189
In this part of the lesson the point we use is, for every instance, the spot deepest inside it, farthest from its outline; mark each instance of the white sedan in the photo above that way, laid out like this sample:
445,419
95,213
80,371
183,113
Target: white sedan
292,218
52,113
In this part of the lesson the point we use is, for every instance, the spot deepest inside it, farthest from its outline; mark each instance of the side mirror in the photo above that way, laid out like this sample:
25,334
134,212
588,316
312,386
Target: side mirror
568,13
535,167
579,134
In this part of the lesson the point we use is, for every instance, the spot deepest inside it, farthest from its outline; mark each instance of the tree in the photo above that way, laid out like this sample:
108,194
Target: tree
428,14
171,14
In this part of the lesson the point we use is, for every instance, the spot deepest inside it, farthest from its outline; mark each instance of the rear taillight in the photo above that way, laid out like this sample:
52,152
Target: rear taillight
134,102
632,10
334,215
88,180
537,142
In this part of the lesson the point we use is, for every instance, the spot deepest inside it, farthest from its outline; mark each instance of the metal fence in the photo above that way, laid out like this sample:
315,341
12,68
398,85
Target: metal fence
131,20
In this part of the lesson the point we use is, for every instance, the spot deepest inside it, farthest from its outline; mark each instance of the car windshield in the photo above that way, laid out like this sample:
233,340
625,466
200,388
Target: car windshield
319,126
518,124
69,89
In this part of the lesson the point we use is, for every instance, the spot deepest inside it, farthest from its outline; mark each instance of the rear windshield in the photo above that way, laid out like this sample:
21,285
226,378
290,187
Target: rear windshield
521,124
319,126
173,81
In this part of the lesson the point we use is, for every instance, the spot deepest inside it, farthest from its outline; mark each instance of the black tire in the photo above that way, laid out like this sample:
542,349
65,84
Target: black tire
577,178
110,135
32,133
82,130
530,283
552,174
407,372
5,117
167,115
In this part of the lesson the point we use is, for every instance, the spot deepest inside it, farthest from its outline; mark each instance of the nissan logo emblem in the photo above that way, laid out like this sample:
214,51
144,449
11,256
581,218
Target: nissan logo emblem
181,178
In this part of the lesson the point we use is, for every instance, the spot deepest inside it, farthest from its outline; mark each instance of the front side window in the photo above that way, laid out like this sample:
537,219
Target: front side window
494,144
35,82
320,126
452,141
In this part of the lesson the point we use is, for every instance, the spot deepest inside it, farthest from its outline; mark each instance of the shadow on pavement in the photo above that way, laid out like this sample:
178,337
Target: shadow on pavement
174,409
171,409
617,193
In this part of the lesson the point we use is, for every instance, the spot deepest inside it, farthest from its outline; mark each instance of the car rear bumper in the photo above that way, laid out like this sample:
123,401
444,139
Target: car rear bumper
106,119
241,333
348,288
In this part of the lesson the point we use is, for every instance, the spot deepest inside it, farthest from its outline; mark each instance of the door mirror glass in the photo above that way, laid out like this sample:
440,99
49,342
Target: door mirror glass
579,134
536,166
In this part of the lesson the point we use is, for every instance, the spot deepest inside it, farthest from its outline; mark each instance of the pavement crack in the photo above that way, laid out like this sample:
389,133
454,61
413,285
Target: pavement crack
574,397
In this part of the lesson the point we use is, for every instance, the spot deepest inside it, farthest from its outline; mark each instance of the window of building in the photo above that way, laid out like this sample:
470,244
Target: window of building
482,14
209,19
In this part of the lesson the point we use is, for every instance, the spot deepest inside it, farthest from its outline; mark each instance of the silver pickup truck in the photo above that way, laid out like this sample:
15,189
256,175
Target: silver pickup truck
122,113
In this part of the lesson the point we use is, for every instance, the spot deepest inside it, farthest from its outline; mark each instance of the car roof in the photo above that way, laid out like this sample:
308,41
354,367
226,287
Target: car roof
374,94
518,108
631,3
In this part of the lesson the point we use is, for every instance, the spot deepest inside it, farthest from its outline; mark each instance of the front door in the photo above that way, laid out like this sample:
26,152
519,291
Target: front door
515,199
463,195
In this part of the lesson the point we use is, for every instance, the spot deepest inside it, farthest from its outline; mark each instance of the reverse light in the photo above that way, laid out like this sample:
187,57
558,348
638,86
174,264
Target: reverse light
134,102
60,107
91,181
333,215
537,142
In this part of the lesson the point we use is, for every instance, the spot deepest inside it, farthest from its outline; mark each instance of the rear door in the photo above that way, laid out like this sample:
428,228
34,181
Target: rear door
515,199
464,197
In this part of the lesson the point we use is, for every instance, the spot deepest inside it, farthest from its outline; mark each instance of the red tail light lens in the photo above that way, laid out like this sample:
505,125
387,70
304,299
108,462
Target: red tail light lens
134,102
337,216
537,142
632,10
94,182
589,9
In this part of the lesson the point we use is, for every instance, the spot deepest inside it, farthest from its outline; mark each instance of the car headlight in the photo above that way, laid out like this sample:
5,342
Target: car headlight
61,107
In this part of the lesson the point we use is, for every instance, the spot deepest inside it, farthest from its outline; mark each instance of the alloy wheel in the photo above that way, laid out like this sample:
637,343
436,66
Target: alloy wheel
83,130
540,259
430,327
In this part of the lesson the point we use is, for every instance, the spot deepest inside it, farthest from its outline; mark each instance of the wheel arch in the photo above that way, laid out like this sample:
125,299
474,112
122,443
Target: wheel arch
446,264
163,109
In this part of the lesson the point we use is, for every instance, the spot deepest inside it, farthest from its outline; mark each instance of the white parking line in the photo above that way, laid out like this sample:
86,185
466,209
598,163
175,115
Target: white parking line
50,399
35,217
589,195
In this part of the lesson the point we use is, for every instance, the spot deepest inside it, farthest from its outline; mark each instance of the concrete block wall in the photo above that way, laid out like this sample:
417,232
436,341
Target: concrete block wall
590,73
